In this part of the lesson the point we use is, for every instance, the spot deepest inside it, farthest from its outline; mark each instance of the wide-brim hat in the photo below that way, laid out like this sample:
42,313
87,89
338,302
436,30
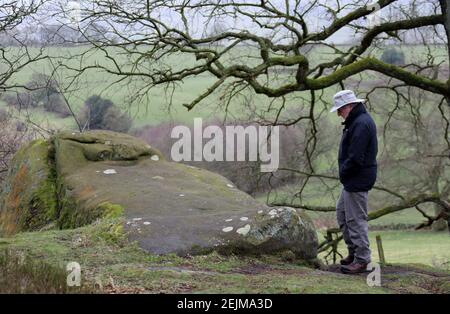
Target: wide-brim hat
343,98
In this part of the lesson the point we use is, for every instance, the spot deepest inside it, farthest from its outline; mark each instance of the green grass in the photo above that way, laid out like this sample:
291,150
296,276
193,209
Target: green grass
422,247
410,247
110,264
154,109
22,274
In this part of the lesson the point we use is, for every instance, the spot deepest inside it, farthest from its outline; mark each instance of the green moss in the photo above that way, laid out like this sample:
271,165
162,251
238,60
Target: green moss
75,213
111,210
111,231
29,192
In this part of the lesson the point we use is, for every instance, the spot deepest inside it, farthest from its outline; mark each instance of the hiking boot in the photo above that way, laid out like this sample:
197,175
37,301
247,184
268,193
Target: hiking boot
354,268
348,260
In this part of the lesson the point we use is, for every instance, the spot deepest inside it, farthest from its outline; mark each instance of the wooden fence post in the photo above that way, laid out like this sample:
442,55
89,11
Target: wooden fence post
380,250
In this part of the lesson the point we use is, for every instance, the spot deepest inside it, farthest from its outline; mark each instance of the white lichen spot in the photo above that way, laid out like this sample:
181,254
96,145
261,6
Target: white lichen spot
155,157
107,142
244,218
137,219
260,211
147,223
228,220
181,195
110,171
280,209
273,212
230,185
227,229
244,230
158,177
97,171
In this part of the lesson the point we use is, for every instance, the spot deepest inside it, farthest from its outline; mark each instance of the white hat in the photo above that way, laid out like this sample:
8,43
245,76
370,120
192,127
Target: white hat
343,98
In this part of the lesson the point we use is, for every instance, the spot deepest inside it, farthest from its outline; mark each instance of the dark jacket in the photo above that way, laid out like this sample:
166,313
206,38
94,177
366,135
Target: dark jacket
358,151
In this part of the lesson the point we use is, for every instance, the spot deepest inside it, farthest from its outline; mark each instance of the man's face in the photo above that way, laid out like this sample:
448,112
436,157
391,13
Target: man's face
344,111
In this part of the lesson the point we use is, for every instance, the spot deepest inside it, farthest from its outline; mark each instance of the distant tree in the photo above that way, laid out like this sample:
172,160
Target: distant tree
45,91
393,56
22,100
100,113
55,103
58,35
94,110
115,120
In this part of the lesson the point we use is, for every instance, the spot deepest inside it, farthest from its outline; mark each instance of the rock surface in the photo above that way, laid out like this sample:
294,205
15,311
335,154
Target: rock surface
75,178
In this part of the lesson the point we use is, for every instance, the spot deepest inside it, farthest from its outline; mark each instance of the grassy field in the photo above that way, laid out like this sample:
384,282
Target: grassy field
410,247
154,109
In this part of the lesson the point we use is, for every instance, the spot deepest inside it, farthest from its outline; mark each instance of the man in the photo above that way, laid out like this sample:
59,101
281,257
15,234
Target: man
357,173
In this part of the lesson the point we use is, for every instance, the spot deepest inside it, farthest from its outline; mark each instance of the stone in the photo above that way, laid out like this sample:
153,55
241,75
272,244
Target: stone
192,210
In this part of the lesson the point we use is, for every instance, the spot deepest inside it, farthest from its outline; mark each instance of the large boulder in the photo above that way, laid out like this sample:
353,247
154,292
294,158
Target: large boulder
75,178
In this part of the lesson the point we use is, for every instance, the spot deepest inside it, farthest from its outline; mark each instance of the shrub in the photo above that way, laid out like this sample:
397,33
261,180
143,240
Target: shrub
42,86
95,109
100,113
55,103
116,120
393,56
19,100
45,91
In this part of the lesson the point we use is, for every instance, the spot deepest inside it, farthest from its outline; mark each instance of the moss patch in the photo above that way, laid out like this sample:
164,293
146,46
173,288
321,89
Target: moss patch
28,200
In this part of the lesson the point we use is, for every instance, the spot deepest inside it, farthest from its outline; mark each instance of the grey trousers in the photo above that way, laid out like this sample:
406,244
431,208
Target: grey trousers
351,213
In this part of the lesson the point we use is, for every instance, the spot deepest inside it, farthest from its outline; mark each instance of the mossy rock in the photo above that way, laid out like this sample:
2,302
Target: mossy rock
167,207
28,200
280,229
